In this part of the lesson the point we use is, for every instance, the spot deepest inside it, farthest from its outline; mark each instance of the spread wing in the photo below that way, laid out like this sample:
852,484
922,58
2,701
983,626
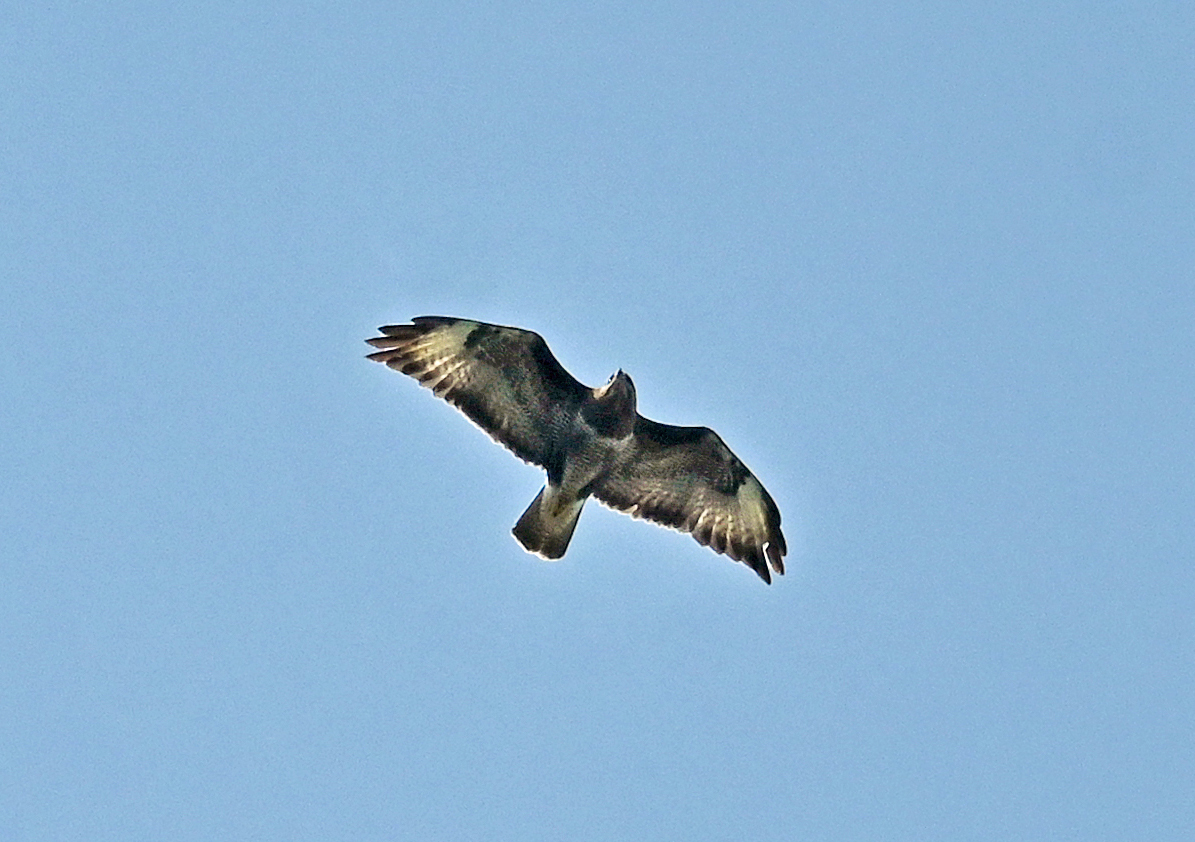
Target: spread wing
503,378
687,478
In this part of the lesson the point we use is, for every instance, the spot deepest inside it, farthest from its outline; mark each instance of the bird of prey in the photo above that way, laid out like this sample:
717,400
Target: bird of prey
590,441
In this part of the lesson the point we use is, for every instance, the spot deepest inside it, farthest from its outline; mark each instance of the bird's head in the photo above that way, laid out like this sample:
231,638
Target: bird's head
618,388
613,407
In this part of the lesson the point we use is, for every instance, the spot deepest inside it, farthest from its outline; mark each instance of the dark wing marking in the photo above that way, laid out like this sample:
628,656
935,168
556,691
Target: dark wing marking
687,478
503,378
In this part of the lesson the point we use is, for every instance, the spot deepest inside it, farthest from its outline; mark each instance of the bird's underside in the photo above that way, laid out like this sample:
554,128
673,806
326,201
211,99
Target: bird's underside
591,441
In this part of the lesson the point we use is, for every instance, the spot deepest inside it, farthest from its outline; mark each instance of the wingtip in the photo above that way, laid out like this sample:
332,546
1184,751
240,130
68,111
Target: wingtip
775,552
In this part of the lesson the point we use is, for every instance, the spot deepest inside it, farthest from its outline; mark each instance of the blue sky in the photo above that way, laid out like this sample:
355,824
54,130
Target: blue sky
927,268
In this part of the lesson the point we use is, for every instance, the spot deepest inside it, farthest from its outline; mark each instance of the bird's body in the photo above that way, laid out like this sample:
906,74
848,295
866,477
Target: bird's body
591,442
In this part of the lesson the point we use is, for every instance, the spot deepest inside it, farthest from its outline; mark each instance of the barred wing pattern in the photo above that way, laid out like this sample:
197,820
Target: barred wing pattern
504,379
688,479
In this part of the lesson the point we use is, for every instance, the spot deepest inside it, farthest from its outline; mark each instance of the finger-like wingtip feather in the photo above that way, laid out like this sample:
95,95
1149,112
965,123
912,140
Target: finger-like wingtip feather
757,563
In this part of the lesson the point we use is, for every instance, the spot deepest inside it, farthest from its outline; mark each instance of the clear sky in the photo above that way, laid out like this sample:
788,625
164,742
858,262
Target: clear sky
926,267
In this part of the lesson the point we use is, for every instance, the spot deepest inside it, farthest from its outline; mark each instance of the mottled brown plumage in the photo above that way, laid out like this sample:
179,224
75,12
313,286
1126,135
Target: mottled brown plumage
590,441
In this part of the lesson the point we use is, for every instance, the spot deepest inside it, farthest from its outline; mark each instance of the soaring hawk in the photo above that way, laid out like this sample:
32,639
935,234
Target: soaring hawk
590,441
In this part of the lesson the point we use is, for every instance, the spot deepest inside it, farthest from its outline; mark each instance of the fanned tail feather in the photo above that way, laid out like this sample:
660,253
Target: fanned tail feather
547,526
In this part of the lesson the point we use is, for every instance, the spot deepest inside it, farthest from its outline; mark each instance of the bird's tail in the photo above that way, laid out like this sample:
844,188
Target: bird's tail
547,526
